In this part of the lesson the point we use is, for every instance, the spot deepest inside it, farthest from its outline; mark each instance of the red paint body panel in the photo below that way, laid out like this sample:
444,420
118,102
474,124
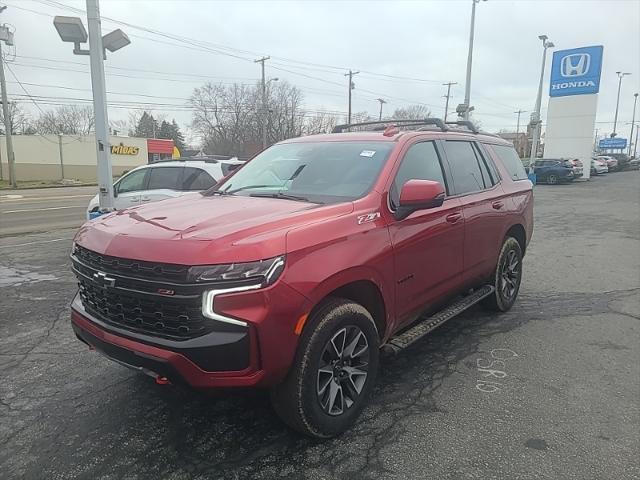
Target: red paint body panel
413,263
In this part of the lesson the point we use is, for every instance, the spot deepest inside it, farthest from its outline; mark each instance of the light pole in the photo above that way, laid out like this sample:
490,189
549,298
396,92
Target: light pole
267,112
382,102
621,75
633,120
71,29
464,109
518,143
535,116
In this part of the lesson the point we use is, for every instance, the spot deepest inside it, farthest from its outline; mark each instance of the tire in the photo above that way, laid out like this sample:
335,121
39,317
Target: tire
324,393
507,277
552,179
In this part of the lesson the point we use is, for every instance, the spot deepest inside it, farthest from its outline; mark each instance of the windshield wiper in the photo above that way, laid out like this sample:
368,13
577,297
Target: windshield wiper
285,196
248,187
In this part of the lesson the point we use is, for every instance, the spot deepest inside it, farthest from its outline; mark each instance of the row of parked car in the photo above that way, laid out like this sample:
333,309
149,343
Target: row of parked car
561,170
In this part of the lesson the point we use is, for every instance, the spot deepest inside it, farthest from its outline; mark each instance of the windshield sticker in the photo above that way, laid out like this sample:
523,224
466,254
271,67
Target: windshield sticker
367,153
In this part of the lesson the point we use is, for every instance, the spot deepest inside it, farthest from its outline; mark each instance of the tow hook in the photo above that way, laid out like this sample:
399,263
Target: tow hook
160,380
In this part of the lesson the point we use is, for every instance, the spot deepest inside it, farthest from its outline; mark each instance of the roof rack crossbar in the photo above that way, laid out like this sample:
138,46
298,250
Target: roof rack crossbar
401,123
465,123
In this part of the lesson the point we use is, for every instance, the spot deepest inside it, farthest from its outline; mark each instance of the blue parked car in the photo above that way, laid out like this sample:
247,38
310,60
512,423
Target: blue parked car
553,170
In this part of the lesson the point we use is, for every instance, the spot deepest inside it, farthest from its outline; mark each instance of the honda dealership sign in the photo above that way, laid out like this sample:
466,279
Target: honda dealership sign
576,71
573,102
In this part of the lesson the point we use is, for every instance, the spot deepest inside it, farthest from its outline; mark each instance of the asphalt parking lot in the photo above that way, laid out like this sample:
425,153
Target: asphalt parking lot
549,390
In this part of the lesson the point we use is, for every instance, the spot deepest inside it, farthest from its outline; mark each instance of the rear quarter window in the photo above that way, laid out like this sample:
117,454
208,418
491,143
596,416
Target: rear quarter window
511,161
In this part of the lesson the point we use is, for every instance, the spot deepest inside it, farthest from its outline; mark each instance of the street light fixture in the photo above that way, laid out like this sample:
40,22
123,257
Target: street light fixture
535,116
71,30
115,40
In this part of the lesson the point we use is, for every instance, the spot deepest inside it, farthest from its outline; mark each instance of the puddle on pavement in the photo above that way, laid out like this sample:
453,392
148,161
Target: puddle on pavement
15,277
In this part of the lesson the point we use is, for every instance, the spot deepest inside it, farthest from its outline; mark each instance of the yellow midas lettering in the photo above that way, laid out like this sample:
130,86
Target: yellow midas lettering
124,150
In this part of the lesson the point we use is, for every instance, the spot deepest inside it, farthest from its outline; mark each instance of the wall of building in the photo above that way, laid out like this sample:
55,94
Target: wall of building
38,156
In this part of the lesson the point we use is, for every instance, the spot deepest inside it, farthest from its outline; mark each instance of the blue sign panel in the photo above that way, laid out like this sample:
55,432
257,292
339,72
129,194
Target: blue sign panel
576,71
614,142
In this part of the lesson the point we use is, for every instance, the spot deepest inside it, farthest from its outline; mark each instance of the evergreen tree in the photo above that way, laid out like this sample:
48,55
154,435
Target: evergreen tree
147,127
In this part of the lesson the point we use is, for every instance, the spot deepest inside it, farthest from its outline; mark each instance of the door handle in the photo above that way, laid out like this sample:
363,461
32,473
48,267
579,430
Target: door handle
145,199
497,205
453,217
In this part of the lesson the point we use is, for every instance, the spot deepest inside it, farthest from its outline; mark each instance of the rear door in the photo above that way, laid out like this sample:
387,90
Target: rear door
427,244
129,188
163,182
476,183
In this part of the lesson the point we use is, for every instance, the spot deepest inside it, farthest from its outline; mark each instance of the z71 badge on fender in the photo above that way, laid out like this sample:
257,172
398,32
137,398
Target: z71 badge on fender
369,217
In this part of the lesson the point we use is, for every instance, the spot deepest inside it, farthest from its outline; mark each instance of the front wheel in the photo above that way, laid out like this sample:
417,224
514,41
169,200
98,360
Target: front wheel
507,277
333,372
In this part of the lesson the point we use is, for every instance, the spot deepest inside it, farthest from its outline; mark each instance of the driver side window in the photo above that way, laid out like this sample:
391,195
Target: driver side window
421,162
133,182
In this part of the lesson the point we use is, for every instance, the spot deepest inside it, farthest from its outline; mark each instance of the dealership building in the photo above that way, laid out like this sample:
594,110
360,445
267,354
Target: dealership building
54,157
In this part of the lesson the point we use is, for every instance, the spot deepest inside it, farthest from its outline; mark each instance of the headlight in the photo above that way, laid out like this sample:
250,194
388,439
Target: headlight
263,272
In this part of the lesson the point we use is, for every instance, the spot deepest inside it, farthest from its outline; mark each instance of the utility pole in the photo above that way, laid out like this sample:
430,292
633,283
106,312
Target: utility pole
447,96
382,102
61,156
621,75
465,108
351,87
7,37
535,116
633,120
264,102
635,144
519,112
595,141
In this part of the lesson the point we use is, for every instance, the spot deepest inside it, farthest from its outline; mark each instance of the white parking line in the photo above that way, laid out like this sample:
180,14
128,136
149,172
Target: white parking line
40,209
23,198
36,243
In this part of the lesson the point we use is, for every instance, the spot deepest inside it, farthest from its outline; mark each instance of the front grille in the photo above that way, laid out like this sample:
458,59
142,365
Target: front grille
176,319
135,268
161,308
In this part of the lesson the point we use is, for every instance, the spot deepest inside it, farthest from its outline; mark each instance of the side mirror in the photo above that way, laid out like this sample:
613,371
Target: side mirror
115,190
419,195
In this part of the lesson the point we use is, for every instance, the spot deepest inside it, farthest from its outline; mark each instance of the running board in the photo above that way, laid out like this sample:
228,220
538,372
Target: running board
416,332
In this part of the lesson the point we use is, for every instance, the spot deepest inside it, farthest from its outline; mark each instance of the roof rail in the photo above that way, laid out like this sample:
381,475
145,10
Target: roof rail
465,123
382,124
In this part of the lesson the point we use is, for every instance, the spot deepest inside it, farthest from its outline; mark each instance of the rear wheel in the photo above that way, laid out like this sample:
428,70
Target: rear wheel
333,372
552,179
507,277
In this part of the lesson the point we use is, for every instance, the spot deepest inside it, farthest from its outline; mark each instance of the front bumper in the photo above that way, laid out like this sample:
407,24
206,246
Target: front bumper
214,360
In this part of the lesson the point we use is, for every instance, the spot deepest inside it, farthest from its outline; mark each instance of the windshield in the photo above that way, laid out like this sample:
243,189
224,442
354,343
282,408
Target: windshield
322,172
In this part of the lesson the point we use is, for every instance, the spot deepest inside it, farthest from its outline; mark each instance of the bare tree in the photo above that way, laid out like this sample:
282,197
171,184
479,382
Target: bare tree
229,117
67,120
320,122
18,119
411,112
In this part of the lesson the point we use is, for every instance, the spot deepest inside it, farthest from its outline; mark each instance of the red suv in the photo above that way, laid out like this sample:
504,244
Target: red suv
293,272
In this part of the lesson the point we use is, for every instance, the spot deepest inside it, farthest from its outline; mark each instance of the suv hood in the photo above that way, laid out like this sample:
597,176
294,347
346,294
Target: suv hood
199,230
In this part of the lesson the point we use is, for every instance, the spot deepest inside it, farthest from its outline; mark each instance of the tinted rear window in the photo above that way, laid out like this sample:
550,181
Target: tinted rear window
511,161
164,177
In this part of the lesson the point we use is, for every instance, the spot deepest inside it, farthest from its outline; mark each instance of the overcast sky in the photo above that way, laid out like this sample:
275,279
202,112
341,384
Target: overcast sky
425,40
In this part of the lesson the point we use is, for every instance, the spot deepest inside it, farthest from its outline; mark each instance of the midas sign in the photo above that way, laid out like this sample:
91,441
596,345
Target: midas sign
124,150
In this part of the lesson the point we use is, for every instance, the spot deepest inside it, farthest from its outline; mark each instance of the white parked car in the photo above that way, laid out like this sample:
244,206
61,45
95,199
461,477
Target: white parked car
599,166
166,179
